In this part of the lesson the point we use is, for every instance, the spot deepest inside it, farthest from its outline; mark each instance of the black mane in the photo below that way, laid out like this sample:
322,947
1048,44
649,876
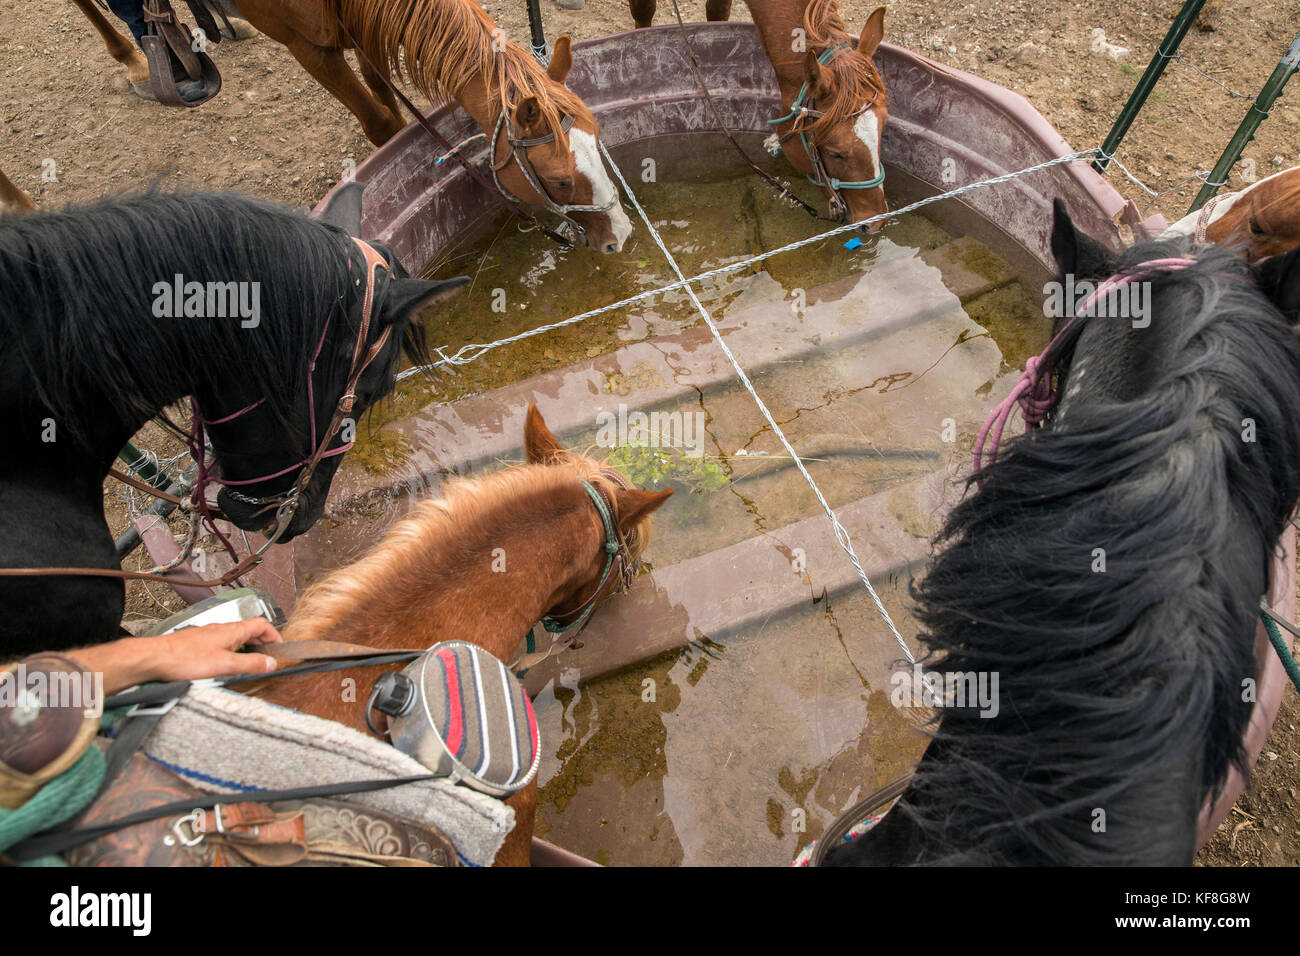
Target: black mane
77,303
1116,686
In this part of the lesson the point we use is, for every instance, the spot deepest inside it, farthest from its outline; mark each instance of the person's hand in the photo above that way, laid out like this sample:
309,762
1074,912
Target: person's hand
192,653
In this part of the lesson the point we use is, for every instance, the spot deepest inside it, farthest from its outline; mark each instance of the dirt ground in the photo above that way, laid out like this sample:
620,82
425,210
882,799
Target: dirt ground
66,108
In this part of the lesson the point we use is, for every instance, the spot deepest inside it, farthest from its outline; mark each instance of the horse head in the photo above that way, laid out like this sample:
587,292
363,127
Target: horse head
1264,219
631,510
836,143
259,470
546,151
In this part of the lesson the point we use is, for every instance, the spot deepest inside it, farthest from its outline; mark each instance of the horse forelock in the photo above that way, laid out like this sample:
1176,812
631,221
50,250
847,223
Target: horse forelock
856,84
1120,685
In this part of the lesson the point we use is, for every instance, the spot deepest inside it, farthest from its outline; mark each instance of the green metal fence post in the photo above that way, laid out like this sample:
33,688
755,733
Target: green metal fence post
135,459
1182,23
1257,113
535,28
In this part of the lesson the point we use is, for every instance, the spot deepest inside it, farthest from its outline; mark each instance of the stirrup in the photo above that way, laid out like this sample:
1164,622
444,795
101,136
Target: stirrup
166,36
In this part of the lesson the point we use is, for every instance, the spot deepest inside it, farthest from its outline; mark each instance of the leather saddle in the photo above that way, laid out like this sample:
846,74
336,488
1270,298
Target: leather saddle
167,37
245,832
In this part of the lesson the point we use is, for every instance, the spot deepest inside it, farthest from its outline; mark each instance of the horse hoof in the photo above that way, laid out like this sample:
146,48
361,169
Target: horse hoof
240,30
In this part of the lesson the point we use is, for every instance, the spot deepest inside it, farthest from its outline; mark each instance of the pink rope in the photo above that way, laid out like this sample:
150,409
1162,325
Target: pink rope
1034,392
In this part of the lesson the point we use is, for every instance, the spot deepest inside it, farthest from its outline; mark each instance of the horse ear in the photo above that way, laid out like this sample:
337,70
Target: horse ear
561,59
407,298
873,31
528,117
540,446
1077,253
815,76
635,504
344,208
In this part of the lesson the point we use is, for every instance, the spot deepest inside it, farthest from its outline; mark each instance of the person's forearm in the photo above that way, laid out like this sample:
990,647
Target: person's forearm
124,663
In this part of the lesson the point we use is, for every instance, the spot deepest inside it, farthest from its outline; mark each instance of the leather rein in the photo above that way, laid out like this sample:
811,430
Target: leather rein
285,503
800,111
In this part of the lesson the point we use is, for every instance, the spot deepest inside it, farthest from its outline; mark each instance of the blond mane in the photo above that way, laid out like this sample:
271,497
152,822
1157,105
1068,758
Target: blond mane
442,44
857,81
408,569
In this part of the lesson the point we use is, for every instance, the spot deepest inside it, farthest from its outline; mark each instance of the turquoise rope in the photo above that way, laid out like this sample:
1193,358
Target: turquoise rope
58,801
1279,645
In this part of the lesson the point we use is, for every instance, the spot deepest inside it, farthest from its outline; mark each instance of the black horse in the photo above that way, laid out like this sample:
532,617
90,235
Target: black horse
94,347
1108,567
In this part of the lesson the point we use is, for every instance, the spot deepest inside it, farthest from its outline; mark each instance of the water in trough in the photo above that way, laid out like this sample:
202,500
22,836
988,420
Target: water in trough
739,698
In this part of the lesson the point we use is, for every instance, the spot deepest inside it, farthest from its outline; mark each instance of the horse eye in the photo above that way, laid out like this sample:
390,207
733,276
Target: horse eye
1255,228
834,155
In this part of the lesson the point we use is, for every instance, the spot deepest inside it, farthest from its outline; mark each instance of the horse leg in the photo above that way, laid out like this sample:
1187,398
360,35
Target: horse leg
518,846
718,10
643,12
119,48
378,84
331,70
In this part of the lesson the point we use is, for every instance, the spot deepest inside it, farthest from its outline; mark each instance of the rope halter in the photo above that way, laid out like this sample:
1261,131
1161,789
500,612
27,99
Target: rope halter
1034,392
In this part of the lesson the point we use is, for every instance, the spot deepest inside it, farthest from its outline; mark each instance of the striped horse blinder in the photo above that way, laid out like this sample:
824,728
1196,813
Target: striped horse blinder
461,712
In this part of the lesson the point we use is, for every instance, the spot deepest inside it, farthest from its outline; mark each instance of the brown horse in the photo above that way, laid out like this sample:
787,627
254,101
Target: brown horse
449,49
836,140
436,575
1263,219
13,199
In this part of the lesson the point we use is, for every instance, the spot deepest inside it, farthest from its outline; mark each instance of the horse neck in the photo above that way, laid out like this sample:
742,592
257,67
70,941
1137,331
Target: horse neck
480,97
105,425
776,21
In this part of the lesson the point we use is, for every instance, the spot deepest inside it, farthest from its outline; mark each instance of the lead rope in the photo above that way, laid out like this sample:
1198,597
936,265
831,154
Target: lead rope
841,535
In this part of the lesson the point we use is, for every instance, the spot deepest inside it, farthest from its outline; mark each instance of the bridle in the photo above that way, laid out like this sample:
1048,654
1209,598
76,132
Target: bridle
800,111
285,503
618,559
519,154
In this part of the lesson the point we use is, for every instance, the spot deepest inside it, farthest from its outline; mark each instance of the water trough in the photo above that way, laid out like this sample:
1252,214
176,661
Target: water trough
769,606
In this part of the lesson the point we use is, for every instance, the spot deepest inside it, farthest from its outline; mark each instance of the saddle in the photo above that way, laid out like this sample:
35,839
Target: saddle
315,832
167,37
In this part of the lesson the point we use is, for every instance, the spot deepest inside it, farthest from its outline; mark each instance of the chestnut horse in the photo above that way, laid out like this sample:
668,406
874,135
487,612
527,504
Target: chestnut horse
1262,220
13,199
545,142
436,575
834,105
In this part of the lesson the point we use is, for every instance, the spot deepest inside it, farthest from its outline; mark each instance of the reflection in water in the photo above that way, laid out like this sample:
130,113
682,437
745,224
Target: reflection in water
742,745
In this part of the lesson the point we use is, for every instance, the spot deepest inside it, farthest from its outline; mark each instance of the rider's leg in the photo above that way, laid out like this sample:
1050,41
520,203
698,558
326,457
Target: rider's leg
130,12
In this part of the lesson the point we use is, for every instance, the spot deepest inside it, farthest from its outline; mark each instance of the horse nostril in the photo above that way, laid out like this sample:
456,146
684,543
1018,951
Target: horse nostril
612,247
